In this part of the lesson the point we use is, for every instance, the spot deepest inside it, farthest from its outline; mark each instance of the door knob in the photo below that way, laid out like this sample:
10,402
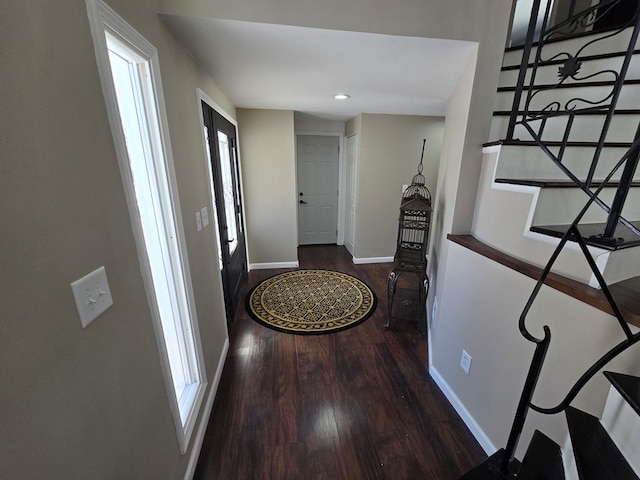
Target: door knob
302,202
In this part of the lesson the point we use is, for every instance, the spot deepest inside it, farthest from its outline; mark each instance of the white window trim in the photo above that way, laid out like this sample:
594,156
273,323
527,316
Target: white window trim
102,19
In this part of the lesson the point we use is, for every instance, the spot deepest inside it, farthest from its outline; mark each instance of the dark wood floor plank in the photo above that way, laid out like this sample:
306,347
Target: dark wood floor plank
358,404
285,390
315,358
288,461
459,447
397,460
358,457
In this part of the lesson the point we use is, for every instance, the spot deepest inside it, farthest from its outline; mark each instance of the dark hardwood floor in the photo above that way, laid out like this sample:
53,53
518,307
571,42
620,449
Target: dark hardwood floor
358,404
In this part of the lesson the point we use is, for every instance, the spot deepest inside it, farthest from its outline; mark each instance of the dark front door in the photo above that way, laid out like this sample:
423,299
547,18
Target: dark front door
220,135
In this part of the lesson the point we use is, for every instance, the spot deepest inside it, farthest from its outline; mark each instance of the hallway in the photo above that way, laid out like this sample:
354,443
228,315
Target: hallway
358,404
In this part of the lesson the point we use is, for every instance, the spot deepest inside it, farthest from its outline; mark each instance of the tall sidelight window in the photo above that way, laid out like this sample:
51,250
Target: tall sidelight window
131,81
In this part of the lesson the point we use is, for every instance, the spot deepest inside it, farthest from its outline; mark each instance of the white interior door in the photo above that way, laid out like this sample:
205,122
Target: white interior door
350,194
318,159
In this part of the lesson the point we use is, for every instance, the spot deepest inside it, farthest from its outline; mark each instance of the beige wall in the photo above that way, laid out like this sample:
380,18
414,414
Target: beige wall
390,149
305,122
353,126
484,22
469,317
88,403
267,150
94,400
448,175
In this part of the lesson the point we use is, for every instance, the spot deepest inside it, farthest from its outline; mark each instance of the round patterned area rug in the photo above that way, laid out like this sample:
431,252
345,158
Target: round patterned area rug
308,302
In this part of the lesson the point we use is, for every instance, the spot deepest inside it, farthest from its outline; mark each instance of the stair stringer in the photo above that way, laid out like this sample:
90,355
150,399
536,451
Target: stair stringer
503,218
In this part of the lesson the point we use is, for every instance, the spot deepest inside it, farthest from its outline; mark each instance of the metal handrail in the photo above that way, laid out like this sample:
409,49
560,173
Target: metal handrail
534,120
627,164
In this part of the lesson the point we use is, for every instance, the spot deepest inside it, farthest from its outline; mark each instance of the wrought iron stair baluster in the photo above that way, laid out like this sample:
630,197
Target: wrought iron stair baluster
571,69
508,464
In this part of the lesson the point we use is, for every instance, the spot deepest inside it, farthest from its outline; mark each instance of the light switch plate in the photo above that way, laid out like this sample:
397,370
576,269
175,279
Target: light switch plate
198,221
465,362
205,216
92,295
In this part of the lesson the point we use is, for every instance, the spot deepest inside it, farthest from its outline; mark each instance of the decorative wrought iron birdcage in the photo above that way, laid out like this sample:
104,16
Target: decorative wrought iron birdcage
411,251
413,234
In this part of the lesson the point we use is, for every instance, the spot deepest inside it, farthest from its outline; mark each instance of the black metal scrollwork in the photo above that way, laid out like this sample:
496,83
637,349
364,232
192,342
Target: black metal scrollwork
533,121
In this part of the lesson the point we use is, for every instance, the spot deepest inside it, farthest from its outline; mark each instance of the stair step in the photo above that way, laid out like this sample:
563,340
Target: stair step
623,111
628,386
526,160
554,183
586,127
604,44
531,143
627,296
628,238
598,68
548,86
597,457
585,58
490,469
580,36
573,95
543,460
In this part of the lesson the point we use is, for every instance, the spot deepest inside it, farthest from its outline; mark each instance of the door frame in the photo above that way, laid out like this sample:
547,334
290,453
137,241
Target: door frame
203,97
356,139
341,176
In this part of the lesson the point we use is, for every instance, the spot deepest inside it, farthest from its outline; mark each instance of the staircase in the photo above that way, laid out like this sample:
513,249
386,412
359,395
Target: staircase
560,189
545,161
594,454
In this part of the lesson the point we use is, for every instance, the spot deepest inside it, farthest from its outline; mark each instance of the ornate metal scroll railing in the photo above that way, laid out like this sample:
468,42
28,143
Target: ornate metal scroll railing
542,343
535,103
624,168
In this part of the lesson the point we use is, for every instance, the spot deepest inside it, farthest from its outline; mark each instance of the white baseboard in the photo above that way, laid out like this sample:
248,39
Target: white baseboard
204,421
361,261
469,421
264,266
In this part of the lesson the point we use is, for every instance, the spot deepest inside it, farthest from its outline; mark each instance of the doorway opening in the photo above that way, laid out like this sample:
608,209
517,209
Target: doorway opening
222,154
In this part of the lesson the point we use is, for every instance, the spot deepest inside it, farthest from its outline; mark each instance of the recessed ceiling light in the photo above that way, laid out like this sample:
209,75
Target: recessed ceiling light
341,96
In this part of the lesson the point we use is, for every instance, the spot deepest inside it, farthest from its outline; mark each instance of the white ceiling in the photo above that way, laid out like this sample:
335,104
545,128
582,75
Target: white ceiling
270,66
